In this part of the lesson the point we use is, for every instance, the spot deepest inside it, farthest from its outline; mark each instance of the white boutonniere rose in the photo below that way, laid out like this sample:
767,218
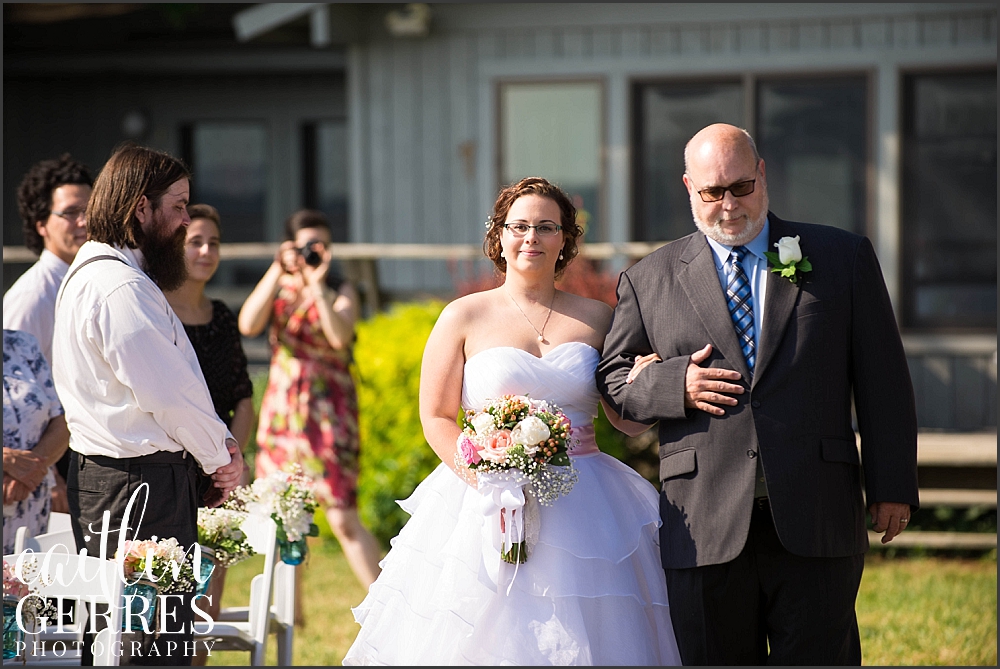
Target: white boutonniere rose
789,261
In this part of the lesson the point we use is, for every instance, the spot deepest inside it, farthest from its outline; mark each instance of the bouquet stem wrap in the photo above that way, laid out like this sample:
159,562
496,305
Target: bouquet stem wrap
504,529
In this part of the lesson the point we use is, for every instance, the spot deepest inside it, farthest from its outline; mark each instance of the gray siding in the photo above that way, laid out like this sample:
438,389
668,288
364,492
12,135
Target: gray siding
429,105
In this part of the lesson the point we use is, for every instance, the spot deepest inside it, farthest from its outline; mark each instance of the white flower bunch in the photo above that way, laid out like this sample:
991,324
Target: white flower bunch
220,530
286,497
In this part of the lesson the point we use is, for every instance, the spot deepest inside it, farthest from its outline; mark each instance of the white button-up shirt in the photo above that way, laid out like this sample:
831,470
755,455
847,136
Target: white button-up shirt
30,304
124,369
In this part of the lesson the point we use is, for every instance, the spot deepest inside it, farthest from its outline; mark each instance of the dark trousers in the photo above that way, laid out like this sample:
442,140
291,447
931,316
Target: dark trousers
767,606
96,484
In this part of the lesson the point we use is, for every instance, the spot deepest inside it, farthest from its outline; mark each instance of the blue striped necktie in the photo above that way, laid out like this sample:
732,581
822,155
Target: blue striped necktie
740,299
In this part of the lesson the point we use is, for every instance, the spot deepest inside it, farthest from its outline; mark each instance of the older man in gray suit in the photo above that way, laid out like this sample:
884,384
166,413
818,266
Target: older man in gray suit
753,375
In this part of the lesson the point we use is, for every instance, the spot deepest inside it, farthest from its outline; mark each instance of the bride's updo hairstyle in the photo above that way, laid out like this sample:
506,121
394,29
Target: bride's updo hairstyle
532,186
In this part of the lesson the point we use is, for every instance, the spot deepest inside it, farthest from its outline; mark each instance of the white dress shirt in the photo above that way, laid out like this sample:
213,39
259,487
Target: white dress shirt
125,371
755,266
30,304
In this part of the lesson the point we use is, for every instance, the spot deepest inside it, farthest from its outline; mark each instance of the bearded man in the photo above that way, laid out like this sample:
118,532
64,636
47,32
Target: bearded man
139,411
753,375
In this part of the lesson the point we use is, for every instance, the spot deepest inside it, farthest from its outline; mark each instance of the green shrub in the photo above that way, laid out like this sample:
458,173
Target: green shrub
395,457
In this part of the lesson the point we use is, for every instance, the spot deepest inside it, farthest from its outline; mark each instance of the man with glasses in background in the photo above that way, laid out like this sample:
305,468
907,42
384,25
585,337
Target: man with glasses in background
52,200
762,332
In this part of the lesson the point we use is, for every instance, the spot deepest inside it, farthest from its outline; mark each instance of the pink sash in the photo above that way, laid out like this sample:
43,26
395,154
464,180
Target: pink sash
585,444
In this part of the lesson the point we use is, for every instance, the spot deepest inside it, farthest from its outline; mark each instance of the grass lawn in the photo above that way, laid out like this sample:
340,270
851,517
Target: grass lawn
912,611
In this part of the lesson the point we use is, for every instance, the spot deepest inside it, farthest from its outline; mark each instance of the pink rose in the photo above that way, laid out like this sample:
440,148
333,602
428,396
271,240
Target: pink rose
496,447
469,451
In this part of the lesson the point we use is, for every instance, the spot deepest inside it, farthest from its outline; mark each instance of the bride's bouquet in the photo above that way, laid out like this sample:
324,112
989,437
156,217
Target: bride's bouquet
514,445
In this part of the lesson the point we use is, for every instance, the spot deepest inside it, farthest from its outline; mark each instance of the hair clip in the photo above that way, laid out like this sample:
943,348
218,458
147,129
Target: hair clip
489,221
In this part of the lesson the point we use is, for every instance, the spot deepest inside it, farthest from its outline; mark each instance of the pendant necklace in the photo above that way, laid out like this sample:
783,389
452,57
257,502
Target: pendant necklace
541,333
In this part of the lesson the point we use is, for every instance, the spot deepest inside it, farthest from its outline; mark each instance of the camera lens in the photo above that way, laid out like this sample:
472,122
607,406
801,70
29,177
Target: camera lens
312,257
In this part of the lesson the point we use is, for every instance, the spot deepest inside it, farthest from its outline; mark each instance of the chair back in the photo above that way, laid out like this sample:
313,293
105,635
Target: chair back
83,579
262,534
61,541
59,522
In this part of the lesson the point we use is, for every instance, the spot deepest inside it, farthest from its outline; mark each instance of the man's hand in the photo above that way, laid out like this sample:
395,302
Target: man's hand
226,478
889,517
705,386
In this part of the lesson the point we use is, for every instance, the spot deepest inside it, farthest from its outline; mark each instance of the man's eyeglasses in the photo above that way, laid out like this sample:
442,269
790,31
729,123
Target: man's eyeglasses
71,215
543,229
716,193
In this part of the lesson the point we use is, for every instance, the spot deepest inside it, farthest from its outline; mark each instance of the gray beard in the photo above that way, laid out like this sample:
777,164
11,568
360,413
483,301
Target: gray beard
715,232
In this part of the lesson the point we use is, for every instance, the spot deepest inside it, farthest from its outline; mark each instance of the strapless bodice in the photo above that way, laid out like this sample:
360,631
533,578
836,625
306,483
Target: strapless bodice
563,376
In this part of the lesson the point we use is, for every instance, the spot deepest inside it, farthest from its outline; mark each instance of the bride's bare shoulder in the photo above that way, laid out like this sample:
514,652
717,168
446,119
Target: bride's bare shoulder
594,313
471,307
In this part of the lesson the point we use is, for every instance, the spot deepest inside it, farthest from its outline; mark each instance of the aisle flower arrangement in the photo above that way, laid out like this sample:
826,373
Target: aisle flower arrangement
153,567
516,444
287,497
219,530
16,591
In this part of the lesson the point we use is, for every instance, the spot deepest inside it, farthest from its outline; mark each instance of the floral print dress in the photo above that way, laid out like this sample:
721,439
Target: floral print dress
29,403
309,413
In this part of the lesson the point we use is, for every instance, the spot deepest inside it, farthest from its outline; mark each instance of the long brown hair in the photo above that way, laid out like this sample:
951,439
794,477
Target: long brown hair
131,172
492,246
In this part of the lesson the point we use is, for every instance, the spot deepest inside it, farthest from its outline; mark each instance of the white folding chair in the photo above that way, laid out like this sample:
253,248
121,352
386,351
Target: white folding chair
281,618
249,634
60,579
58,541
59,522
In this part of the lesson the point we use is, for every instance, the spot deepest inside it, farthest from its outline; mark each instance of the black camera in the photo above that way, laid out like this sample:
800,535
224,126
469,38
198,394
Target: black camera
312,257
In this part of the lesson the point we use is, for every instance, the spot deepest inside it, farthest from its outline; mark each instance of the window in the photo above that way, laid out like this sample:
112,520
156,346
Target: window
324,153
669,115
229,162
949,200
554,130
811,132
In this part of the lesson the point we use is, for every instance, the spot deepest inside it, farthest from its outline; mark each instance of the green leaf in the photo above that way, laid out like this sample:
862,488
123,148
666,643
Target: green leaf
788,271
560,460
805,265
774,258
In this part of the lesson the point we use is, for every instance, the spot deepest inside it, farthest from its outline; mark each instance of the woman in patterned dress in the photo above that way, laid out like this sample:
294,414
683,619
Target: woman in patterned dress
211,327
309,414
34,436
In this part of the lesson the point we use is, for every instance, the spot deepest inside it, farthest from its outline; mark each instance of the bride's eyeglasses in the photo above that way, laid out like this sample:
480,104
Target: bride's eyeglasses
542,230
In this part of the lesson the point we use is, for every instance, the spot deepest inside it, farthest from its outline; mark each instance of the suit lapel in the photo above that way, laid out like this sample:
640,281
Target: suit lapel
781,297
700,281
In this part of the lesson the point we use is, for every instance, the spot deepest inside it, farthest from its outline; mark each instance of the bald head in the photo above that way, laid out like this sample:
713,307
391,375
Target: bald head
715,159
719,138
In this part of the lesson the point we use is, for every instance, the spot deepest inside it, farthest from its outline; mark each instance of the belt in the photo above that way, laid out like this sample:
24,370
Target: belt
157,458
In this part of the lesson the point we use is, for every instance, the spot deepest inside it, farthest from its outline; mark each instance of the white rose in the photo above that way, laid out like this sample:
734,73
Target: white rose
530,431
484,424
788,249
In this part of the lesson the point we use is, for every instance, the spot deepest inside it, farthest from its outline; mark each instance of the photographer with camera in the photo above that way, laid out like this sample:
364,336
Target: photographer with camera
309,413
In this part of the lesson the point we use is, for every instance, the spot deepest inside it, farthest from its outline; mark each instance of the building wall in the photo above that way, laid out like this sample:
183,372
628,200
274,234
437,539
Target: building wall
423,114
425,110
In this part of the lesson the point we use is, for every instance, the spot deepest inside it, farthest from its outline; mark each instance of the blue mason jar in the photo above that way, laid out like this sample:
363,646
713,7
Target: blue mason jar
208,563
293,552
145,597
12,633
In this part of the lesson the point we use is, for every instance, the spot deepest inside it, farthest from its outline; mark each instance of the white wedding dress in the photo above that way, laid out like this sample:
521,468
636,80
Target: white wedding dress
592,591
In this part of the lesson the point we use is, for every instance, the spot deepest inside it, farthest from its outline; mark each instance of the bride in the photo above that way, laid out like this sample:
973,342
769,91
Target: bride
592,590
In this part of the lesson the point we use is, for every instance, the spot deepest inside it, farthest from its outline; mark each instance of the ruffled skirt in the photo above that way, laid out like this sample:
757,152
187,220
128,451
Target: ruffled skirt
592,591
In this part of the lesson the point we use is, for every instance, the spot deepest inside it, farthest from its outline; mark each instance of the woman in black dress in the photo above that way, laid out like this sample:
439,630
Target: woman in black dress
211,327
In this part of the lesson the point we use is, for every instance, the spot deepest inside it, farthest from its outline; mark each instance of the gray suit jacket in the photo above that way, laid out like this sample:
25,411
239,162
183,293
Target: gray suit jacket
824,339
